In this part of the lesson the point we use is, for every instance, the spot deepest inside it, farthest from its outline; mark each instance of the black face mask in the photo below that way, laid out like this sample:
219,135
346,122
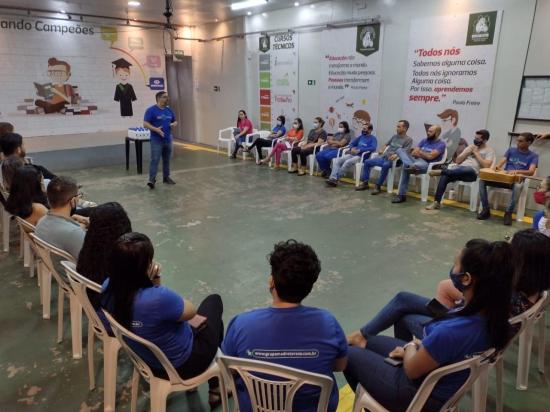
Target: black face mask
478,142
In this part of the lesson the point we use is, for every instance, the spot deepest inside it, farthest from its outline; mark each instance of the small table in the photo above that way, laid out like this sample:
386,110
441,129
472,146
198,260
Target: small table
139,152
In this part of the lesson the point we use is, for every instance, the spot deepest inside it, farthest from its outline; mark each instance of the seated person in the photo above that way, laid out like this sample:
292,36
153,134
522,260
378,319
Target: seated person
386,157
27,199
288,325
58,227
293,137
336,142
315,137
277,132
108,222
12,143
134,296
485,272
519,161
9,166
543,225
428,151
365,143
541,195
244,127
466,167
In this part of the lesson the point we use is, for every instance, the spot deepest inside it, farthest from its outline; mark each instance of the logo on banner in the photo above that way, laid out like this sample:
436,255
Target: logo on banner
481,28
265,43
368,39
156,83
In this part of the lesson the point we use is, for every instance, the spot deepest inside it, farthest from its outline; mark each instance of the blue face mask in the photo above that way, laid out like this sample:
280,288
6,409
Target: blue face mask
455,278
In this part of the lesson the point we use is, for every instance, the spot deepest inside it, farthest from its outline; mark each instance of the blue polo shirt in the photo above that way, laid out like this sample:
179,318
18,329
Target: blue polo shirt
427,145
278,129
302,337
518,160
160,118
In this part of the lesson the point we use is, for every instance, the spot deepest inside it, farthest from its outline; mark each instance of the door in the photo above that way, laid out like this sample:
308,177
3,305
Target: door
179,78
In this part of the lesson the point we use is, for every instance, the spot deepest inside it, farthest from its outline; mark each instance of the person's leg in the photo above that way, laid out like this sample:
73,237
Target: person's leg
386,165
441,187
349,163
368,164
238,144
156,152
516,190
402,304
405,157
483,197
404,182
447,294
336,165
410,326
295,153
304,153
277,150
166,155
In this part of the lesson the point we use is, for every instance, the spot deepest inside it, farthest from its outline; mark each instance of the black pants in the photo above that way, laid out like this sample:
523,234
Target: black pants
205,343
259,143
303,153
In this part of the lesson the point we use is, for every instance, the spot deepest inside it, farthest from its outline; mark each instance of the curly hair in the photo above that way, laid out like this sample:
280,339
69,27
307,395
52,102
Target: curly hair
108,222
295,268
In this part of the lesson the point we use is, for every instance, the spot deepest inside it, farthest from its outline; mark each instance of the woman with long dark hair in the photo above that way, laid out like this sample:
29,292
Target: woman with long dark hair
134,296
27,199
293,137
278,131
244,127
484,272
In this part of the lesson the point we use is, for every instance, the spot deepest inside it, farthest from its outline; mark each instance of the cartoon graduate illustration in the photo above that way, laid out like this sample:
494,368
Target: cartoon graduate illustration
124,92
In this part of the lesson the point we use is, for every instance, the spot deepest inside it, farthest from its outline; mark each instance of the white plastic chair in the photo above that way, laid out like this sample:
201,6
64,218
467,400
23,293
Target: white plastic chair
47,269
227,140
476,365
248,140
268,395
29,249
81,286
318,148
525,323
5,220
159,388
391,173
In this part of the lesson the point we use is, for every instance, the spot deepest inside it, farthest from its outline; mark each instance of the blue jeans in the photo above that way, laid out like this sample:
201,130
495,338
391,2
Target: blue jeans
160,149
536,218
380,161
388,384
404,304
342,164
515,188
408,162
324,157
461,173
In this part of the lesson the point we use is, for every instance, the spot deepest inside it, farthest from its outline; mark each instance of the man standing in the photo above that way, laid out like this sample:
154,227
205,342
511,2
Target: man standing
387,156
428,151
160,119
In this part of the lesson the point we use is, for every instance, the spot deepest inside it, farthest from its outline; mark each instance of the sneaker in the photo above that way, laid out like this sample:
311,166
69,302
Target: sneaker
293,169
507,218
301,172
484,214
325,173
377,190
362,186
434,206
151,185
168,181
331,182
399,199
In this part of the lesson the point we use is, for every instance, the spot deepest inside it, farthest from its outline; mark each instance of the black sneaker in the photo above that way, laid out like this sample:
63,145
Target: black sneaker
399,199
376,191
362,186
332,182
168,181
484,214
325,173
507,219
151,185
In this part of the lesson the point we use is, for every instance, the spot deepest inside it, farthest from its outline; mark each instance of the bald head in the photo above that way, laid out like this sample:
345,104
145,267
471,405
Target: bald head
434,131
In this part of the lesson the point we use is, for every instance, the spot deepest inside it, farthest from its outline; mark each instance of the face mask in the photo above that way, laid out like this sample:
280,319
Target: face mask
365,131
540,197
341,130
295,125
279,123
455,278
316,125
478,142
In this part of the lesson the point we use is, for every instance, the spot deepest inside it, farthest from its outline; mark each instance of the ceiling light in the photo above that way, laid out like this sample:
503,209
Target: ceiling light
264,14
134,3
296,3
62,11
312,6
217,20
246,4
249,13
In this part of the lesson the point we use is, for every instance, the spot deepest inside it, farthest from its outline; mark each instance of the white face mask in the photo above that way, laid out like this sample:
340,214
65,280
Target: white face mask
279,123
295,125
316,125
341,130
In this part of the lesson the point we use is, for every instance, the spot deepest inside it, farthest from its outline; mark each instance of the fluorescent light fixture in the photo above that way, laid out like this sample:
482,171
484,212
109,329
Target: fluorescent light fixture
134,3
296,3
246,4
312,6
249,13
62,11
264,14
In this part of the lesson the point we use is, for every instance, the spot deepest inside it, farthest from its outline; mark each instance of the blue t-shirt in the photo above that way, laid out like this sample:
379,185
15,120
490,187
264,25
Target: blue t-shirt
518,160
278,129
156,315
160,118
453,340
427,145
365,143
303,337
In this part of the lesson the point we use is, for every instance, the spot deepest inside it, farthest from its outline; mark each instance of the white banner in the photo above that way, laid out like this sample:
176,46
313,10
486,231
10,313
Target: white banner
350,76
65,77
278,78
450,74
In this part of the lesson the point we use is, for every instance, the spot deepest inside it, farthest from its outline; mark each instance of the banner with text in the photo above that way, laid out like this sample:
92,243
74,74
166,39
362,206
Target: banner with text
69,77
278,62
351,61
450,74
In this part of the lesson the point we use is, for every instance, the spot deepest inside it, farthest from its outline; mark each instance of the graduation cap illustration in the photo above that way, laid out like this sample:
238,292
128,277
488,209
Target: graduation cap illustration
121,64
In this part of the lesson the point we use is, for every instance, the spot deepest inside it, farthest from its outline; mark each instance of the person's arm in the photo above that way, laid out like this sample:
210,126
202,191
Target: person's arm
428,156
383,149
188,311
465,153
343,142
484,163
340,364
369,147
542,136
417,362
528,172
149,126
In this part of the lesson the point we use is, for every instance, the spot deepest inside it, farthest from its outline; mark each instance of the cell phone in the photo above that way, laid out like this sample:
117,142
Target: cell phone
436,308
393,361
197,322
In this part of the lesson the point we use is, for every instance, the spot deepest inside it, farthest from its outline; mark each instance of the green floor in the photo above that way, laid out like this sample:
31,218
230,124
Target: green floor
212,232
